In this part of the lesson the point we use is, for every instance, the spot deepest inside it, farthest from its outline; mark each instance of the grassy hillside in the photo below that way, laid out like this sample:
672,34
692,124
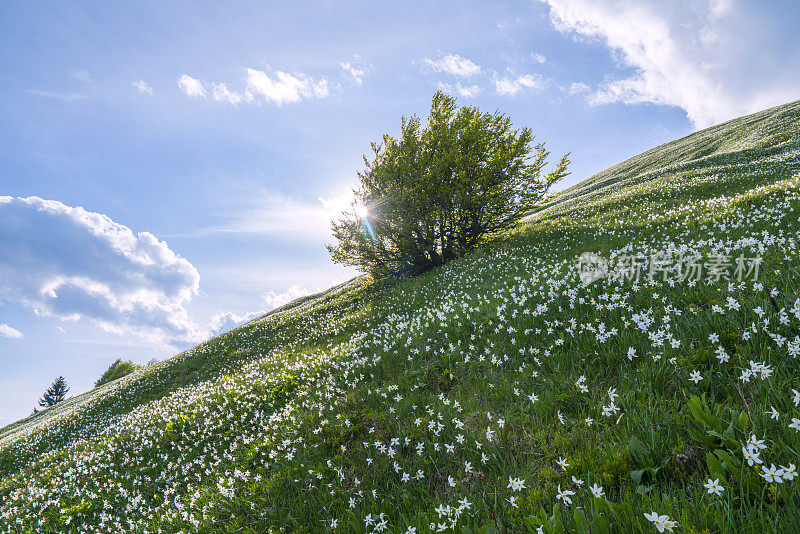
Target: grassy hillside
496,393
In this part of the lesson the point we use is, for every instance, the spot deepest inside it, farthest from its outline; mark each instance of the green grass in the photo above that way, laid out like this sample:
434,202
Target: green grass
369,407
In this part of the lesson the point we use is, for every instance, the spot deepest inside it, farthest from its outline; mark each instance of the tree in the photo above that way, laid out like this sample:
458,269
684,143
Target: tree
118,369
441,190
55,393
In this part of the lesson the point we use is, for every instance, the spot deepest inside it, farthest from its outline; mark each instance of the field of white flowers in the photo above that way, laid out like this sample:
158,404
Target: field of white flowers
498,393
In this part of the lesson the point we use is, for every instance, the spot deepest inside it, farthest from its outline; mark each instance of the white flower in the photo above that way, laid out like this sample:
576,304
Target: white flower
516,484
564,495
772,474
713,487
661,522
596,490
750,455
382,525
789,472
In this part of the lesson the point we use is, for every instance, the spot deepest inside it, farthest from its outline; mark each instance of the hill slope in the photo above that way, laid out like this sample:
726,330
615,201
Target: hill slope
490,393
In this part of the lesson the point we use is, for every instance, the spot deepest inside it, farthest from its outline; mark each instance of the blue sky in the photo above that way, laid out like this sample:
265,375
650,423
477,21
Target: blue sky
185,157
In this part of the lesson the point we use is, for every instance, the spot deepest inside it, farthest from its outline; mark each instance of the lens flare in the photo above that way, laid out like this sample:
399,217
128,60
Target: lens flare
362,211
366,227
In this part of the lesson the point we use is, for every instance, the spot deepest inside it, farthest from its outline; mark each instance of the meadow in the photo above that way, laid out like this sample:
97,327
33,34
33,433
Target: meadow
498,393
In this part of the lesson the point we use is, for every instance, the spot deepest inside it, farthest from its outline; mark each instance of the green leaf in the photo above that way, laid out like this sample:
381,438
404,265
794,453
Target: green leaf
716,468
533,523
728,440
700,436
701,412
639,453
601,525
581,525
744,422
623,513
731,463
729,433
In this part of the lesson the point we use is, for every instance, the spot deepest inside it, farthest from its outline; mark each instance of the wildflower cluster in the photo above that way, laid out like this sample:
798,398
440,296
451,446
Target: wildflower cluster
498,390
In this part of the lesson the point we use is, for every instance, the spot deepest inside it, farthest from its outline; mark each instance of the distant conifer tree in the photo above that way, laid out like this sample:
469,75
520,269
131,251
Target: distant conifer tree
55,393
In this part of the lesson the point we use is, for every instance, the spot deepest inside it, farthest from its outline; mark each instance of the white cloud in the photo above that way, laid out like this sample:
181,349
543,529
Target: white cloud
222,94
578,88
142,87
7,331
271,300
710,58
222,322
279,87
58,95
64,93
453,64
82,76
539,58
354,70
468,91
191,86
274,300
511,86
73,264
283,87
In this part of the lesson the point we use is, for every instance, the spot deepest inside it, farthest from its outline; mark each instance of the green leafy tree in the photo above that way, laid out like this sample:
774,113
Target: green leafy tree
118,369
441,190
55,393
